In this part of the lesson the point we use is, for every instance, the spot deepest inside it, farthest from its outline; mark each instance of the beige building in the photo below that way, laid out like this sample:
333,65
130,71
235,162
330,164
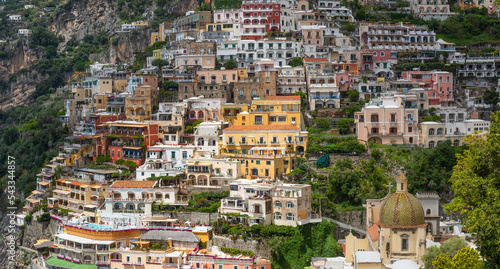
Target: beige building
257,85
75,195
266,204
291,203
139,106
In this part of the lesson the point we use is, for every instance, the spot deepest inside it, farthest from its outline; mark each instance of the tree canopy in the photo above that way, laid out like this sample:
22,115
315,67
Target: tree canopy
466,258
449,248
476,184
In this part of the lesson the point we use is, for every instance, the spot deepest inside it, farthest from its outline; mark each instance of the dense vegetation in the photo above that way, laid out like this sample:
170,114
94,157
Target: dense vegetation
31,134
307,241
207,202
475,183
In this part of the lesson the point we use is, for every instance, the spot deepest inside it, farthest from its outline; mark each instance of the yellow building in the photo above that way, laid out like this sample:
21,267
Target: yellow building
265,151
139,107
76,195
274,110
140,23
265,136
160,35
230,111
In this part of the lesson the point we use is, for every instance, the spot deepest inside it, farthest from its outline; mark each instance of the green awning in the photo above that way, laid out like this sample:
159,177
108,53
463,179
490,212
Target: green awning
54,261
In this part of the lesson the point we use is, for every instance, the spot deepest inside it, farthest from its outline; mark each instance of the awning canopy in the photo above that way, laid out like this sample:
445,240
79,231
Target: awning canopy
83,240
61,191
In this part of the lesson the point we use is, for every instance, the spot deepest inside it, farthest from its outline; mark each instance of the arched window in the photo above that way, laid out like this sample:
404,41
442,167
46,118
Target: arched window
428,212
439,143
277,215
277,204
289,205
431,131
431,144
440,131
456,143
290,216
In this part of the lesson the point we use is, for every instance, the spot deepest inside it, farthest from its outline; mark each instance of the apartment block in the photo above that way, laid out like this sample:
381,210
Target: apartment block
389,120
125,140
259,18
74,195
400,36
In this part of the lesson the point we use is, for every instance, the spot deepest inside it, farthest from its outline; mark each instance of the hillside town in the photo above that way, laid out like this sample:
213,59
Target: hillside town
239,126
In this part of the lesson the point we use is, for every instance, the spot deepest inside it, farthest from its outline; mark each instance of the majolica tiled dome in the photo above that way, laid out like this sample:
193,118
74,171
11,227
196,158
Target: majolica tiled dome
401,209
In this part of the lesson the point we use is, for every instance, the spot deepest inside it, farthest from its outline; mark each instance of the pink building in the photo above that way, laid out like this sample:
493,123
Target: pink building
381,62
313,35
439,85
343,81
217,76
390,120
230,15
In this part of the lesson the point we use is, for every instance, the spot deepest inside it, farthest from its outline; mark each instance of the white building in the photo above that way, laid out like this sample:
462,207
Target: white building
137,197
290,80
280,50
164,160
15,18
206,137
249,198
127,27
24,32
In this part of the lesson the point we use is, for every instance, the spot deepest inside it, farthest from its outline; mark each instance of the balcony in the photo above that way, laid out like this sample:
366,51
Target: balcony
230,142
261,142
243,142
275,142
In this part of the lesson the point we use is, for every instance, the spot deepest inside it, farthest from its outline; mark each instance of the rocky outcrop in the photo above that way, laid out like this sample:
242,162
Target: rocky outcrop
85,18
39,230
16,70
122,50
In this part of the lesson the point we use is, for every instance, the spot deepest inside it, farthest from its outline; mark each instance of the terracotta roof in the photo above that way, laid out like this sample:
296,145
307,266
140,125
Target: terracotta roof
373,232
283,98
76,183
315,60
261,127
61,180
132,184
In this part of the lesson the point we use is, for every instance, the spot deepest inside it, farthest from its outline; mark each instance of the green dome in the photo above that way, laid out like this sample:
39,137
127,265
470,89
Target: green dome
401,209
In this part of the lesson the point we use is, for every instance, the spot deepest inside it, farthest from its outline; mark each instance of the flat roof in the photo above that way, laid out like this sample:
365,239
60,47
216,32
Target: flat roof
56,262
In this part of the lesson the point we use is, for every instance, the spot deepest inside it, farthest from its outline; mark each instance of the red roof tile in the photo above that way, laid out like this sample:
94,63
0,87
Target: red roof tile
373,231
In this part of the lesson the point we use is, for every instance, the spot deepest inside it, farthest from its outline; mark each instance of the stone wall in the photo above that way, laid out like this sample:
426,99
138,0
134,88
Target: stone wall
194,217
260,248
354,218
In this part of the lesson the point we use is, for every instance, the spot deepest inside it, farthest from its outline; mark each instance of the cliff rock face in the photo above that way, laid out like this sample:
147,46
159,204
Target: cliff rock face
22,57
128,43
24,83
86,18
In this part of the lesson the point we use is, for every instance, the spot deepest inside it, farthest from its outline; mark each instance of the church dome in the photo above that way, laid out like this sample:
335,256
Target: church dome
401,209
